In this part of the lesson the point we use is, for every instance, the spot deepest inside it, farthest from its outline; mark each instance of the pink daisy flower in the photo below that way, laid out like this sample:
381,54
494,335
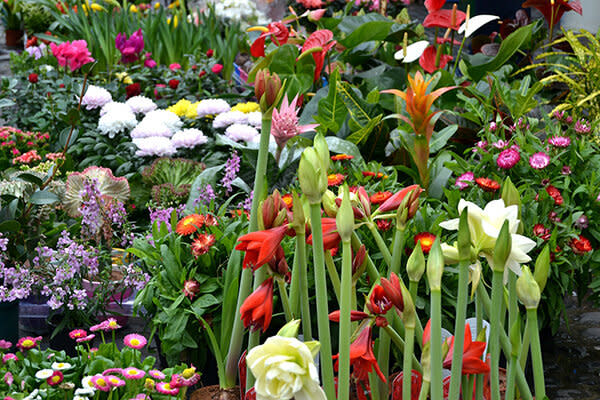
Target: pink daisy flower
114,381
97,327
156,374
77,333
165,388
28,342
5,345
508,158
135,341
9,356
111,371
133,373
539,160
560,141
85,338
111,325
100,382
500,144
462,182
188,377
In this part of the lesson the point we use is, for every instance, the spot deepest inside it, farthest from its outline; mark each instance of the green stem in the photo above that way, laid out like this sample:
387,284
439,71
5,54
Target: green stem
371,269
285,301
459,329
412,288
510,380
479,317
385,251
525,347
345,329
333,275
536,355
301,256
409,340
424,390
237,331
295,285
513,307
398,248
321,299
495,328
436,345
458,56
399,342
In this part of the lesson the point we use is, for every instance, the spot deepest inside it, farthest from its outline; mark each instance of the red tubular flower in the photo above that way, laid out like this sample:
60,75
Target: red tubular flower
472,353
354,316
487,184
581,245
426,239
396,200
362,358
260,246
279,34
416,380
359,258
321,38
378,302
555,194
257,310
393,290
429,57
331,239
554,10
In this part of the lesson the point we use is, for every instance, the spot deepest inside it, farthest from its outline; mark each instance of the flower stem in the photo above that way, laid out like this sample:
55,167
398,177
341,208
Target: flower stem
510,380
385,251
399,342
285,301
409,341
345,332
459,329
322,308
333,275
495,328
436,345
371,269
295,286
536,354
424,390
479,317
303,283
525,346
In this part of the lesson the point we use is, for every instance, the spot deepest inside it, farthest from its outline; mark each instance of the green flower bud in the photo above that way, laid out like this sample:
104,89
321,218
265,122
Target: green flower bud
542,268
450,253
415,266
510,194
409,313
328,199
344,219
320,145
312,175
290,329
435,266
502,249
464,236
426,361
528,290
515,338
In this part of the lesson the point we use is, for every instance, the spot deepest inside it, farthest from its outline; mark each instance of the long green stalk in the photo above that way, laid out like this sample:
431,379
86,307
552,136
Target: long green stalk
304,301
334,277
436,345
479,317
511,374
459,329
385,251
345,329
495,328
409,340
399,342
322,308
295,304
285,301
424,390
412,288
536,355
525,347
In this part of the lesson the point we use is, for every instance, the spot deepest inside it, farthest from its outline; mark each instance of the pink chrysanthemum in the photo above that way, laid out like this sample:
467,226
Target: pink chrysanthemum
100,382
285,122
462,182
115,381
189,377
508,158
539,160
133,373
85,338
135,341
560,141
77,333
165,388
156,374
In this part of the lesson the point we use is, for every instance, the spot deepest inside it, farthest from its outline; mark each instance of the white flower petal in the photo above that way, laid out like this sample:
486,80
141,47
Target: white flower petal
413,52
472,24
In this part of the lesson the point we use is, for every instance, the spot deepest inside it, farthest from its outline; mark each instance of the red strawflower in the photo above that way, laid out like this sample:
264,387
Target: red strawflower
541,231
173,84
331,239
279,34
335,179
472,353
133,90
210,220
189,224
321,38
581,245
380,197
426,239
33,78
33,41
487,184
191,288
201,74
378,175
202,244
261,246
555,194
341,157
428,60
257,310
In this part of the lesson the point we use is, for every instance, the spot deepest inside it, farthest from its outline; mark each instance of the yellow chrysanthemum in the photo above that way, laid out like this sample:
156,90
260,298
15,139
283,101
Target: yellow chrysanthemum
174,4
246,108
192,111
181,107
156,5
124,77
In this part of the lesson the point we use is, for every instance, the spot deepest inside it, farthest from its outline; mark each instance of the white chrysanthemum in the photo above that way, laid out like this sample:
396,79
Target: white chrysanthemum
117,120
170,119
212,107
113,106
95,97
149,128
141,104
230,118
154,146
255,119
188,138
43,374
243,132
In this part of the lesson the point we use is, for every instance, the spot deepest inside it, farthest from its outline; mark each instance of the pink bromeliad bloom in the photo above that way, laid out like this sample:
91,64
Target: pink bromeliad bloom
74,54
539,160
285,122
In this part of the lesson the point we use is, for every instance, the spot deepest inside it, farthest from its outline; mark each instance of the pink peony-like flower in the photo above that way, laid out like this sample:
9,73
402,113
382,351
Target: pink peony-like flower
75,54
133,373
508,158
285,122
539,160
135,341
462,182
174,66
217,68
166,388
560,141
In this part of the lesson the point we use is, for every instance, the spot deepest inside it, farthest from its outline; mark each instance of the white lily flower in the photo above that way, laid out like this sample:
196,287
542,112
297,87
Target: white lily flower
472,24
413,52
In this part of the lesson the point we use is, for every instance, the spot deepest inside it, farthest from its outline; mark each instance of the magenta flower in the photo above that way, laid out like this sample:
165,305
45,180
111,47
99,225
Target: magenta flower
77,333
508,158
217,68
8,378
100,382
114,381
189,377
75,54
111,371
500,144
560,141
5,345
539,160
148,61
135,341
133,373
131,48
166,388
582,126
85,338
481,145
174,66
462,182
566,170
156,374
9,356
493,126
28,342
285,122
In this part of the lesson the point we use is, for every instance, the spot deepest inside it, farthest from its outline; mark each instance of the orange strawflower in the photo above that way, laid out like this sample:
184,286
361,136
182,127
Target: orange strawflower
341,157
426,239
288,200
335,179
190,224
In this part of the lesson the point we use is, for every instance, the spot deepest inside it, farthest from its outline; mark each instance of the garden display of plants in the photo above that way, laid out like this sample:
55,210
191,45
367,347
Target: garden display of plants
347,203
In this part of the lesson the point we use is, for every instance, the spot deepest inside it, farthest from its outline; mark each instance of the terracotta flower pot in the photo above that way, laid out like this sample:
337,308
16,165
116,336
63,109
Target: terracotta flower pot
215,393
13,37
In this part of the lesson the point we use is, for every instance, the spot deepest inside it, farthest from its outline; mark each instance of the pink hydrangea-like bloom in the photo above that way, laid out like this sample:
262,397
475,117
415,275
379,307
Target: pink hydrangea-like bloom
5,345
133,373
285,122
462,182
508,158
131,48
539,160
135,341
75,54
560,141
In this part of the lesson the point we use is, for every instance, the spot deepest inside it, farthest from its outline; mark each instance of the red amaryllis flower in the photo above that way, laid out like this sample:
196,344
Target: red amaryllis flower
378,302
132,90
555,194
393,290
202,244
396,200
354,316
362,358
278,32
487,184
472,352
260,246
321,38
383,225
416,380
426,239
257,310
541,231
189,224
581,245
331,239
553,10
380,197
191,288
335,179
428,59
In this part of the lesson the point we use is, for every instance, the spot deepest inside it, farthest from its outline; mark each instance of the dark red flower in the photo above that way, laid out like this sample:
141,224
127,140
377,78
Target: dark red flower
279,34
555,194
380,197
393,290
396,200
487,184
553,10
321,38
191,288
581,245
472,353
383,224
133,90
416,381
55,379
209,53
201,74
173,84
426,239
331,239
541,231
257,309
428,59
33,41
378,302
33,78
260,246
354,316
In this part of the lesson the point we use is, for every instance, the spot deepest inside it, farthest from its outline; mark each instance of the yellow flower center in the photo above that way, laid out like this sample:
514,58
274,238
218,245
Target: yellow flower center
55,379
132,372
167,386
60,365
135,342
188,221
112,324
188,373
28,343
101,382
114,380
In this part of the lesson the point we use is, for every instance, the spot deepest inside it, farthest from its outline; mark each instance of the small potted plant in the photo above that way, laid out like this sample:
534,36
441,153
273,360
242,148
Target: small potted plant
12,21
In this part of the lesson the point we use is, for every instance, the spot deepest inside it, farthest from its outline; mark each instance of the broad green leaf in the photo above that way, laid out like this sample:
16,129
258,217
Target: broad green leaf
43,197
331,112
439,139
342,146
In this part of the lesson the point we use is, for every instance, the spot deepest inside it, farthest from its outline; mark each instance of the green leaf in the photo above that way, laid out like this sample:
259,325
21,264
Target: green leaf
342,146
364,28
203,302
331,111
42,197
10,226
439,139
27,177
208,176
363,133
